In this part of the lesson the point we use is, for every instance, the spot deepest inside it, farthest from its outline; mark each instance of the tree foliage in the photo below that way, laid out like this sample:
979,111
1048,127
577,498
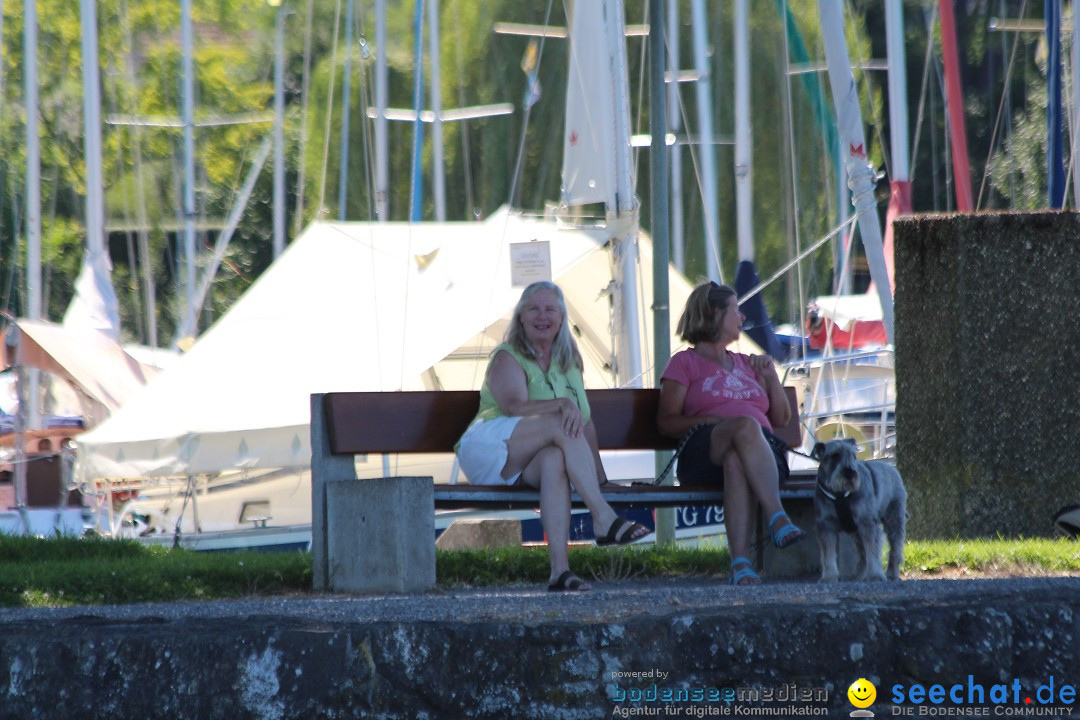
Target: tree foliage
796,196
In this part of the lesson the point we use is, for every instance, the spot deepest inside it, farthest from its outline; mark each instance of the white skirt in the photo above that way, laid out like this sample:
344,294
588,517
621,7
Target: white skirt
482,452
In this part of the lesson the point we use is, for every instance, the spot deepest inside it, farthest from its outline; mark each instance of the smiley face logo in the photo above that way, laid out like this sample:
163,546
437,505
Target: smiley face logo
862,693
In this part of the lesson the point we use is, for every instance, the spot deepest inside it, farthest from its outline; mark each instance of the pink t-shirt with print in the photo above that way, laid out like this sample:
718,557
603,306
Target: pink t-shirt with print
712,390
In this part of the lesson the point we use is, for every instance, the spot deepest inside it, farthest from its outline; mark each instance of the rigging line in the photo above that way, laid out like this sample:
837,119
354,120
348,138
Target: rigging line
11,282
365,139
920,116
520,161
1001,108
366,93
947,142
146,308
51,225
464,129
792,263
329,111
178,209
660,154
305,98
794,175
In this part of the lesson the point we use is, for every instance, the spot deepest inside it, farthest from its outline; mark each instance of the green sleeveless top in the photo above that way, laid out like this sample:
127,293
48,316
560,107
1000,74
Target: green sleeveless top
541,386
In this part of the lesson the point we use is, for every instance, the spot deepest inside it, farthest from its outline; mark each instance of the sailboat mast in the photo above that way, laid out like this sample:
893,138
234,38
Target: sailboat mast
623,212
900,182
1076,105
898,114
28,396
743,185
673,122
417,201
1055,160
706,143
860,174
279,131
438,171
382,197
187,329
955,99
665,518
94,305
33,162
346,102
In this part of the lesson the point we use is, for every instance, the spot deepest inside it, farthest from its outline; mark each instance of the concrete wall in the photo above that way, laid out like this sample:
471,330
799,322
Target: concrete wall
531,654
987,347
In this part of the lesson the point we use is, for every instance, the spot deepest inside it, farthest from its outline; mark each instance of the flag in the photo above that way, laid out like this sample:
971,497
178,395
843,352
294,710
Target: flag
530,66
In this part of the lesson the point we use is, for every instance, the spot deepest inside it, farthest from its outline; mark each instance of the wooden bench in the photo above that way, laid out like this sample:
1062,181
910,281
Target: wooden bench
347,424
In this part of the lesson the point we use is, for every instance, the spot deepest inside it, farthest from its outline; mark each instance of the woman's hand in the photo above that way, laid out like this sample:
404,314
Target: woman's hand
763,366
779,410
572,421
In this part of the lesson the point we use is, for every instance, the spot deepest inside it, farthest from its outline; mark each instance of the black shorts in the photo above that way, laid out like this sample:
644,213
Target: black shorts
696,468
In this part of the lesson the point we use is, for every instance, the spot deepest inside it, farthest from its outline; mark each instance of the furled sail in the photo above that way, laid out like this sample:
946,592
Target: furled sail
94,306
588,140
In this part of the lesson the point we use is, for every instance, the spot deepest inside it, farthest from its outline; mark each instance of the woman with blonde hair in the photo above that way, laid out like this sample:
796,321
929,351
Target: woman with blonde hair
534,428
725,404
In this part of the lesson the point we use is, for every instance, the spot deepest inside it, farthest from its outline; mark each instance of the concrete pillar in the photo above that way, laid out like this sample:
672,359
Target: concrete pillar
380,535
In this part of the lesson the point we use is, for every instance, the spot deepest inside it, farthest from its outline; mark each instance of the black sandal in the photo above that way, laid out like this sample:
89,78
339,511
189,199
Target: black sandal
622,532
568,582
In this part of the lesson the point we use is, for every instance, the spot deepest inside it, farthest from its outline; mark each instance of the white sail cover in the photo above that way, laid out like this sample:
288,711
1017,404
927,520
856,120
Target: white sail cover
588,143
347,306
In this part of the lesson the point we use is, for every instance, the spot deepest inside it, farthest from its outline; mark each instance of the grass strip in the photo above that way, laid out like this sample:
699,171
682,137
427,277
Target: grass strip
62,571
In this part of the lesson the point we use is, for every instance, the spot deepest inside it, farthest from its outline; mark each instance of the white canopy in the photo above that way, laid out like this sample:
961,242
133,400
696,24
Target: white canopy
846,310
350,306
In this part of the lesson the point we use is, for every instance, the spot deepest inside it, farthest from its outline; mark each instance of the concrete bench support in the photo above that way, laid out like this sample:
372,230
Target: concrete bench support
380,535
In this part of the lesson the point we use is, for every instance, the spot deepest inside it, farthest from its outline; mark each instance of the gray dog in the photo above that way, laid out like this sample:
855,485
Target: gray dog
858,497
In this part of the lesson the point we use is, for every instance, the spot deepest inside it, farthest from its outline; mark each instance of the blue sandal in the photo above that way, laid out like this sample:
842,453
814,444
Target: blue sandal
745,572
786,536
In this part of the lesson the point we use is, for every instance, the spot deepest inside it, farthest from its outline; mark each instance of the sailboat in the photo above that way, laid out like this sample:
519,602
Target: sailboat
68,376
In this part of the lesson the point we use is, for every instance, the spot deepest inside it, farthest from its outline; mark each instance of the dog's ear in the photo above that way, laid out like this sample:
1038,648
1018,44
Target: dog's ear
852,442
818,451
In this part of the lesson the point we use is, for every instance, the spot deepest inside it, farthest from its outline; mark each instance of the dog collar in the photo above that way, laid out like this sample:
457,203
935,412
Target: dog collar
843,508
832,496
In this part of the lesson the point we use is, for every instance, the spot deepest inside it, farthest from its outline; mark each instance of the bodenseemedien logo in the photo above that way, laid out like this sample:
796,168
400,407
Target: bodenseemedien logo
862,694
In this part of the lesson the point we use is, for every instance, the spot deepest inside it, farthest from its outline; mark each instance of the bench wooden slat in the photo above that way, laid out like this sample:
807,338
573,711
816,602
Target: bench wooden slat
428,421
463,495
431,421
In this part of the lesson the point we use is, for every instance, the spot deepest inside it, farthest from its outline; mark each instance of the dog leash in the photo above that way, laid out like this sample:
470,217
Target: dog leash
678,451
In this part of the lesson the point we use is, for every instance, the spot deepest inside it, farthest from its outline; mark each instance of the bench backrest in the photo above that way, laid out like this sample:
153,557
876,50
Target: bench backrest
431,421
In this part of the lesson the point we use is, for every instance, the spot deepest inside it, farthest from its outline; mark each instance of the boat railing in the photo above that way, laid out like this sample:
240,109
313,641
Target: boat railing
848,395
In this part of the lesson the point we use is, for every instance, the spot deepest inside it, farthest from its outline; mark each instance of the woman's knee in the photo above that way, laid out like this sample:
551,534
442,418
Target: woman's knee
552,462
733,467
746,431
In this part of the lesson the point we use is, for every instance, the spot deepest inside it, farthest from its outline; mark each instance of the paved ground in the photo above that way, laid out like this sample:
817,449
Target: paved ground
608,601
